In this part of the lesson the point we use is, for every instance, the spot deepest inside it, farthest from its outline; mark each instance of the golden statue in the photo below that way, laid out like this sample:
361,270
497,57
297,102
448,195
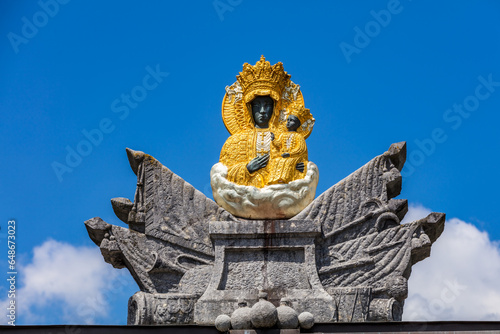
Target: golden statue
249,113
263,171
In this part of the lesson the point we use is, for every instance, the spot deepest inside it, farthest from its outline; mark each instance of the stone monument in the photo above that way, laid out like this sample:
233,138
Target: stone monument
266,253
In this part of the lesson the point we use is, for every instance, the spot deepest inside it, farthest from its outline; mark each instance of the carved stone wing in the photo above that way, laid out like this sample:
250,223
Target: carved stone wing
367,189
363,244
168,227
170,208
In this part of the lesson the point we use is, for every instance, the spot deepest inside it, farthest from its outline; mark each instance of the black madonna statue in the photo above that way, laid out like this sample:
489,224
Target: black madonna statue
264,172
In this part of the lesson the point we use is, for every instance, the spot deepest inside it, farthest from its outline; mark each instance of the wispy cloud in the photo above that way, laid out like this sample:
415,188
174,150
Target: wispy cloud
460,279
66,284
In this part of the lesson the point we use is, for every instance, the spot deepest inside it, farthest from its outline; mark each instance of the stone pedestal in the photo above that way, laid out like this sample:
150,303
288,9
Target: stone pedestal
274,256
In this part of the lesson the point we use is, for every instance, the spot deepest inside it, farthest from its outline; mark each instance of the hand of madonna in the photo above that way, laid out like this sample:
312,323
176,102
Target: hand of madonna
257,163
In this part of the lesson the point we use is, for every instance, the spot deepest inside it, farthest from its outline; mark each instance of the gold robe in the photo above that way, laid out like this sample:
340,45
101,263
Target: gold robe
240,149
283,170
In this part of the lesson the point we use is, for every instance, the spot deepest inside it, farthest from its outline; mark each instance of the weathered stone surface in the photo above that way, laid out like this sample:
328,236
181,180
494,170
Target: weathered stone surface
277,257
172,308
223,323
306,320
263,314
351,304
287,316
122,207
167,234
382,309
242,317
344,258
97,229
363,243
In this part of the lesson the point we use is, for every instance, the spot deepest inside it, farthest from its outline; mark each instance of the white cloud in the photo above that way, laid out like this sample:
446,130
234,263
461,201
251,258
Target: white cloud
65,284
460,279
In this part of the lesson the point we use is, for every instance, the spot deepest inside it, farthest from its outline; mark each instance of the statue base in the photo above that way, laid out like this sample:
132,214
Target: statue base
274,256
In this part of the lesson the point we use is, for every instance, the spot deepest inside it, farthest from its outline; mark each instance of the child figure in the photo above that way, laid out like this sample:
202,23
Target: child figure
291,162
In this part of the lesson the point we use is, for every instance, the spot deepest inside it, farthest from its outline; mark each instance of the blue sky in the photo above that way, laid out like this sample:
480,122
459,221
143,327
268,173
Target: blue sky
372,73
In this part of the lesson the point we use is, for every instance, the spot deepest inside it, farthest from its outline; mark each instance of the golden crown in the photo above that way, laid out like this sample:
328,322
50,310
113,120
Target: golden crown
262,79
301,112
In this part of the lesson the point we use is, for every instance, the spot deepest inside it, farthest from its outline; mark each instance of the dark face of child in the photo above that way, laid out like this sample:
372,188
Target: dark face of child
292,123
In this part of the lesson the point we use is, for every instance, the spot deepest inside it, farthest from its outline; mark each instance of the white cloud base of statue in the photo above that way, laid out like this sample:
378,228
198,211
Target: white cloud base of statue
277,201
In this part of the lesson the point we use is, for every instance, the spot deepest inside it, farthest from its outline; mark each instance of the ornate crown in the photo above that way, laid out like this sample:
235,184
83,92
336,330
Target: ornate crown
303,114
262,79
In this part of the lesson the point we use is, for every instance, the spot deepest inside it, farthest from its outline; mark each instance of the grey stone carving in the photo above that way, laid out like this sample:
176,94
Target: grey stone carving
263,313
241,317
223,323
287,316
275,256
161,308
344,258
306,320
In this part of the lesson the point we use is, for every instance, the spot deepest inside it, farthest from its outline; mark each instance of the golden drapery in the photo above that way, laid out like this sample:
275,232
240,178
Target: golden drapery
241,148
237,152
283,170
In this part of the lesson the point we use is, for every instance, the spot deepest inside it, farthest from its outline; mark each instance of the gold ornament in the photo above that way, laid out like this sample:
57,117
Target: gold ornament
247,142
262,79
